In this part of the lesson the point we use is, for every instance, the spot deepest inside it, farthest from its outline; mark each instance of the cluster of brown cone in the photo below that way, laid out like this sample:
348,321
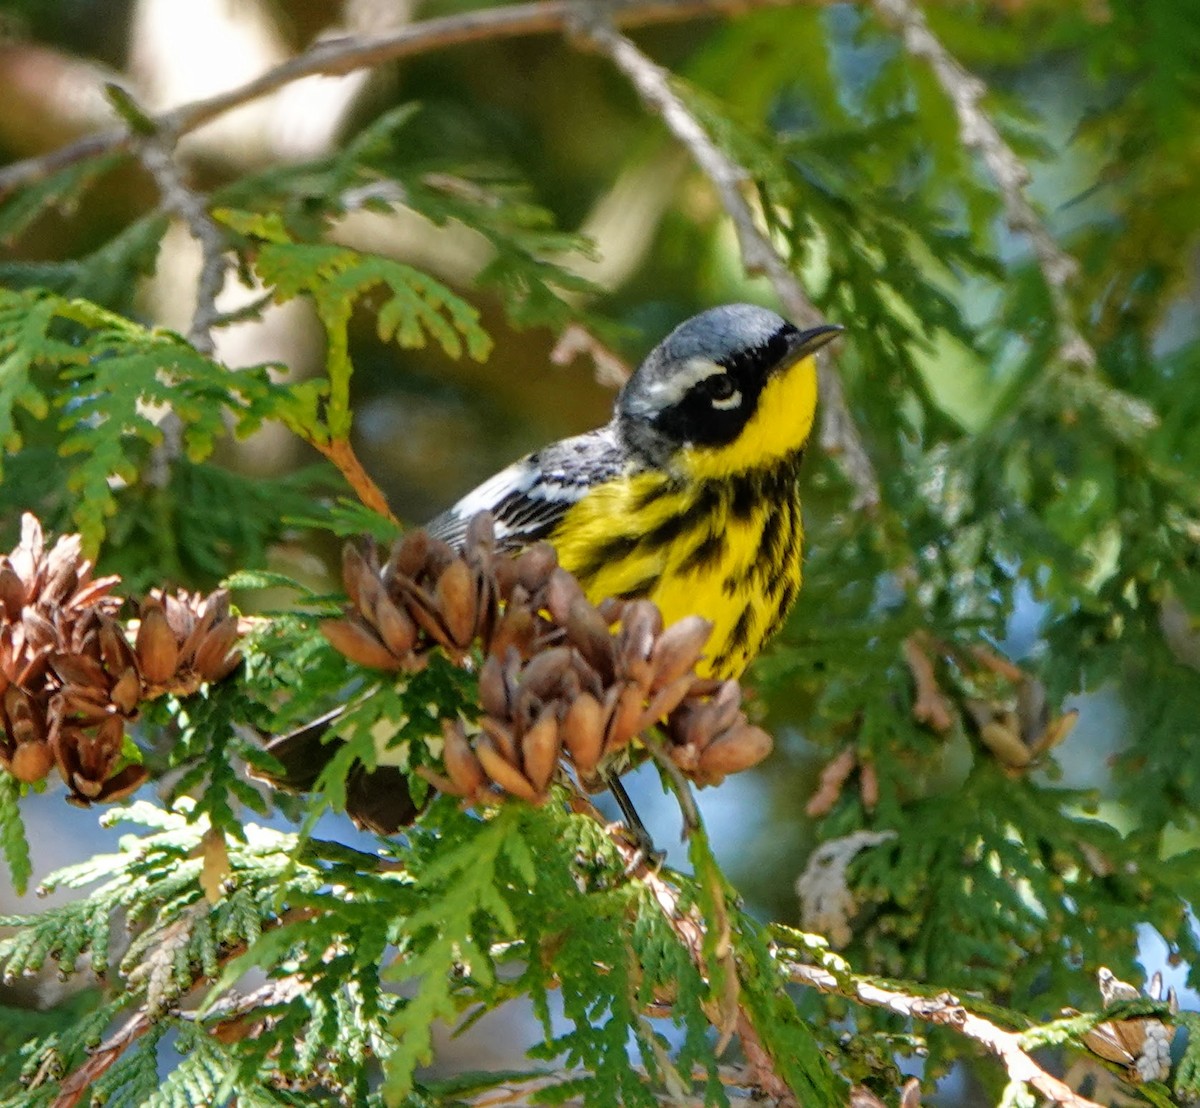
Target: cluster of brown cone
71,677
559,674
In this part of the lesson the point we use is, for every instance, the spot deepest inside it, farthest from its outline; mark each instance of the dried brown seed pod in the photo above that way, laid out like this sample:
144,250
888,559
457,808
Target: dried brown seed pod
208,618
462,765
82,706
504,572
488,593
79,669
408,557
458,602
86,757
180,615
493,691
624,704
13,593
438,559
515,630
665,701
369,593
116,655
584,676
355,570
726,706
424,610
527,707
678,649
395,626
589,634
690,729
535,566
545,671
25,721
480,542
502,739
33,673
215,658
562,590
31,762
40,633
156,645
126,692
27,557
583,732
358,643
735,750
641,623
93,596
63,566
540,750
504,773
122,784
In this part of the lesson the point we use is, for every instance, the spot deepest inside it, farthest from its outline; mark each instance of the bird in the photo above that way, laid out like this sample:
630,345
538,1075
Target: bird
688,497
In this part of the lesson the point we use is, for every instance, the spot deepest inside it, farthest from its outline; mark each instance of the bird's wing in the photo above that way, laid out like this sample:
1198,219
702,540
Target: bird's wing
530,497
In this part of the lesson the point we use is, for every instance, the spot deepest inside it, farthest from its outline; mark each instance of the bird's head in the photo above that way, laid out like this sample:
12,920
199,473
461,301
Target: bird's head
731,389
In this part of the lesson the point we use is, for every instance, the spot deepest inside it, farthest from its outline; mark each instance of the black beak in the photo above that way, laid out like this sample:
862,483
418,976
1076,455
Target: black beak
804,343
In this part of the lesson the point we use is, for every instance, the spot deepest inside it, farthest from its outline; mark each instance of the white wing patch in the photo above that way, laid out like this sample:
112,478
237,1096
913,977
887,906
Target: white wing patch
525,501
529,499
518,478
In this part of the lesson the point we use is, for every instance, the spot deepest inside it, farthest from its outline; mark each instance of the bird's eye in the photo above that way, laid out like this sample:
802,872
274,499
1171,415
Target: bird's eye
720,387
722,392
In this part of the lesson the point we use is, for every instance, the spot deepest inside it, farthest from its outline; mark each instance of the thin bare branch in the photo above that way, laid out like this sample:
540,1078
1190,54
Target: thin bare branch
839,435
946,1011
75,1087
190,206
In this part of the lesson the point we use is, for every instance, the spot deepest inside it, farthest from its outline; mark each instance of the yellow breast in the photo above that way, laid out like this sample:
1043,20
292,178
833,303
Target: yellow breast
727,549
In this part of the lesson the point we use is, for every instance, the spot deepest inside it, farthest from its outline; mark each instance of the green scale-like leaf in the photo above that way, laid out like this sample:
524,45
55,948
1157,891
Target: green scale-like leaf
13,840
111,373
415,307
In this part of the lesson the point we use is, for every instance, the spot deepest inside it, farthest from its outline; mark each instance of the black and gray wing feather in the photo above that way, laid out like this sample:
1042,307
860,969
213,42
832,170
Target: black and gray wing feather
530,497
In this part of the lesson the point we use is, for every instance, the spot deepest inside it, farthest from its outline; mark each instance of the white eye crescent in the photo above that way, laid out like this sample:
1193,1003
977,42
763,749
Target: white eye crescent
723,394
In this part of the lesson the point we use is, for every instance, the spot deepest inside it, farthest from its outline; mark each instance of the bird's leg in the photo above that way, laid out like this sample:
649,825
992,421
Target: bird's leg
646,850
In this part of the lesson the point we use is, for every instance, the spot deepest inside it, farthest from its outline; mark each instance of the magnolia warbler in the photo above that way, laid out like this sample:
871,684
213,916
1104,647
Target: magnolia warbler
688,496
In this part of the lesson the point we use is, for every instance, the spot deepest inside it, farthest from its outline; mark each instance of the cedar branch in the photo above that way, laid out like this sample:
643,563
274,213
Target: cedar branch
76,1084
946,1011
341,454
688,925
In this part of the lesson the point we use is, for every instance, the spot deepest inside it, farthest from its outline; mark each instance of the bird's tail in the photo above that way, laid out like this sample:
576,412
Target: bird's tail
378,801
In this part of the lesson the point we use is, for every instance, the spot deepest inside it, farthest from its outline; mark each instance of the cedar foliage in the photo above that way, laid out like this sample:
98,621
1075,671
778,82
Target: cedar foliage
1010,477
